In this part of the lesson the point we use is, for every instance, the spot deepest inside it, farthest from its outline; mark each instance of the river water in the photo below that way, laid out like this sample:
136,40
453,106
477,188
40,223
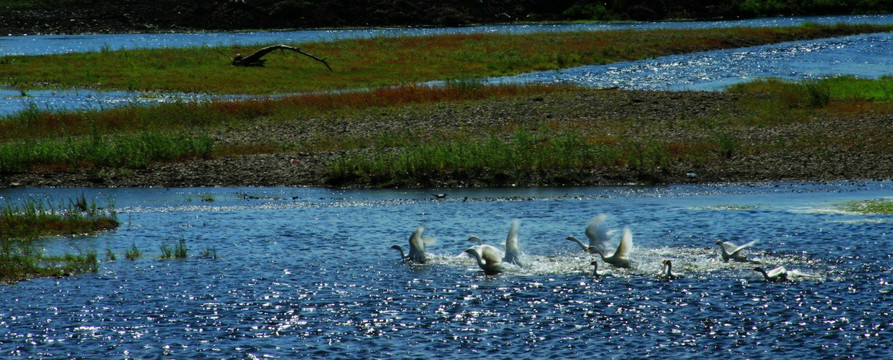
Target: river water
868,56
308,273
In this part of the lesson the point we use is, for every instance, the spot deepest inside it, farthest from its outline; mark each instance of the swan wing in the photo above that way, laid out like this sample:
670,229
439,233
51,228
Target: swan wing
489,256
728,247
735,249
774,273
597,233
626,244
429,240
512,249
417,246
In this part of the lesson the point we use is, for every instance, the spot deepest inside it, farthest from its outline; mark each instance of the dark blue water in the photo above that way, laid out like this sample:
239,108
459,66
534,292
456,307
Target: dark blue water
307,272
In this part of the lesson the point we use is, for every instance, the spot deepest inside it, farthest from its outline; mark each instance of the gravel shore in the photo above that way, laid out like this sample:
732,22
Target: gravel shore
652,115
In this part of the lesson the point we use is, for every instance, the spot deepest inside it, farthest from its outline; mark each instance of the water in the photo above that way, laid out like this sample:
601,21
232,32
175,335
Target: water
867,56
307,272
61,44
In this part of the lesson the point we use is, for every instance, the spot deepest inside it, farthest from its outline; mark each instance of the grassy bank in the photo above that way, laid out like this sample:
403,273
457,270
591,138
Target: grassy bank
467,130
787,113
382,61
22,225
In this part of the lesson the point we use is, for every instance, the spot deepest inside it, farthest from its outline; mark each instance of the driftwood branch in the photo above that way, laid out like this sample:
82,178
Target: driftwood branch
255,58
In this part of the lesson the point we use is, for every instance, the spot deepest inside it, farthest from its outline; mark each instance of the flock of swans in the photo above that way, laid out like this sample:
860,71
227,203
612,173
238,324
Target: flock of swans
494,261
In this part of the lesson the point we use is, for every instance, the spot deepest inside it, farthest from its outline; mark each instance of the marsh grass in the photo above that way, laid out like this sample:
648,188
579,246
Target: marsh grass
525,151
134,136
176,251
820,93
877,206
128,150
22,224
133,253
382,61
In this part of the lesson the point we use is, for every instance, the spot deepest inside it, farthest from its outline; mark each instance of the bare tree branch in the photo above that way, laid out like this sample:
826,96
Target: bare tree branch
255,58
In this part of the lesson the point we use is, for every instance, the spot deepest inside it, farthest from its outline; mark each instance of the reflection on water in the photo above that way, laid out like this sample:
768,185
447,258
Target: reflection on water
865,56
308,272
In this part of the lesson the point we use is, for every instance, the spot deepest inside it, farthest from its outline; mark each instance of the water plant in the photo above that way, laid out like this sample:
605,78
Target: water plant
23,223
876,206
177,251
133,253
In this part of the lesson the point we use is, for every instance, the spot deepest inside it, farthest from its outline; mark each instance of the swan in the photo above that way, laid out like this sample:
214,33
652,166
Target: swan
512,250
487,260
668,274
597,235
779,274
402,254
417,244
594,264
480,244
620,258
730,251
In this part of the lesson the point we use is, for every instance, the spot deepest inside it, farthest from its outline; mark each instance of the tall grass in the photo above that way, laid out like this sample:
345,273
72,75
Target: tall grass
21,224
37,217
524,151
130,150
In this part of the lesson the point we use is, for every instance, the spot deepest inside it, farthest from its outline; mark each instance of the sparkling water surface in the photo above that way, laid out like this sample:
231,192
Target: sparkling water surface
308,272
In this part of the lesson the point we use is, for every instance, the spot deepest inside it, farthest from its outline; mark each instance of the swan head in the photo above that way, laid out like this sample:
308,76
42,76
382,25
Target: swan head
718,242
666,262
396,247
475,239
759,269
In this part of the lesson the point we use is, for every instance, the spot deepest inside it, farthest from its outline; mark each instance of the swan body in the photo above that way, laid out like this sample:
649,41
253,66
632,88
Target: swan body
512,249
730,251
417,245
597,235
620,258
480,245
487,260
668,272
778,274
594,264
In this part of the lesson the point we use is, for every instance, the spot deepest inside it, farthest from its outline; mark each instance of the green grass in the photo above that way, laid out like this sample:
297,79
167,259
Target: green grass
819,93
129,150
524,151
22,224
877,206
377,62
177,251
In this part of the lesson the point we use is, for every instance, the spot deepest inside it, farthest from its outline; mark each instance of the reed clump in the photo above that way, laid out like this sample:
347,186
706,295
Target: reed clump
21,225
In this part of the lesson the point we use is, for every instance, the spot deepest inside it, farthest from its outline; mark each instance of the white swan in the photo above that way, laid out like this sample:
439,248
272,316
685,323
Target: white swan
487,260
620,258
512,249
730,251
779,274
480,245
668,272
417,244
597,234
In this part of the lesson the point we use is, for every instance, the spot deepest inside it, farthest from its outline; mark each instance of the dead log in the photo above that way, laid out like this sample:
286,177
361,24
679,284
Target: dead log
255,58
